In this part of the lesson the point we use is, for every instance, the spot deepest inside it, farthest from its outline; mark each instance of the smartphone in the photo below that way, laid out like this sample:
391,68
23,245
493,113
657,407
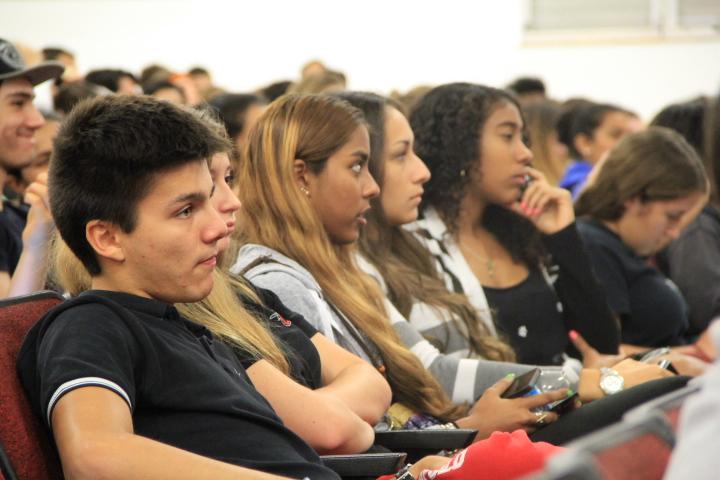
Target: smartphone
522,384
667,365
526,183
563,405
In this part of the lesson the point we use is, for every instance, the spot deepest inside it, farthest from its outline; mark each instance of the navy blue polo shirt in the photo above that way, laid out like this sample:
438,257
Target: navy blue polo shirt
182,386
12,223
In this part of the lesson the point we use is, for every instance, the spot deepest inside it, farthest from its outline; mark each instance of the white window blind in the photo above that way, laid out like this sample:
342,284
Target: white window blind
653,17
583,14
698,14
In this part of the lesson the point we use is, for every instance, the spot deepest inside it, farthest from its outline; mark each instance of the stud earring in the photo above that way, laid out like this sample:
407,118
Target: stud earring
462,172
305,191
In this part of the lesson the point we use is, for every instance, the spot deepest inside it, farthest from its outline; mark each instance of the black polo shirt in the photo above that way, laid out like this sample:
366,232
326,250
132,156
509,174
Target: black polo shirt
183,388
292,332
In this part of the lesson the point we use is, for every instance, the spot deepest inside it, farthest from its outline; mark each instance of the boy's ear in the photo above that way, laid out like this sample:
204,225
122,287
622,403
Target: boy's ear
301,171
104,238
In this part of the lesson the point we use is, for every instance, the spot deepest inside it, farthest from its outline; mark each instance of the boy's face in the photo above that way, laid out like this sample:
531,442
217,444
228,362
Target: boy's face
171,253
19,119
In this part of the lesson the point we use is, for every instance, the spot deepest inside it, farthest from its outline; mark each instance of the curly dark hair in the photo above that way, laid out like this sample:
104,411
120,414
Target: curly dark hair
448,125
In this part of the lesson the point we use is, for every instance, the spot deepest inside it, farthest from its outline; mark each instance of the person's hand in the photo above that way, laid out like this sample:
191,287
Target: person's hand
493,413
591,357
40,225
704,346
633,372
684,364
549,208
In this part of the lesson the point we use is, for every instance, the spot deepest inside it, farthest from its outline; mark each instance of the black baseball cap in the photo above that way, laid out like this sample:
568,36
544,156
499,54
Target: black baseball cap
13,66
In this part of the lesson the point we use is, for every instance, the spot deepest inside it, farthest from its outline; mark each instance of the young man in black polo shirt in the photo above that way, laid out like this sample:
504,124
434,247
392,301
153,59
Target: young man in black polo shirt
128,387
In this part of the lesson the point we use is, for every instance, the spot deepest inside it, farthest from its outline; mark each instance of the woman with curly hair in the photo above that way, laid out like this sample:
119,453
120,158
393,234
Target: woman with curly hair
501,234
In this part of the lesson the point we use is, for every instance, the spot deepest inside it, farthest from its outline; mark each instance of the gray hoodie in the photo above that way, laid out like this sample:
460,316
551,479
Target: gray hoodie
298,290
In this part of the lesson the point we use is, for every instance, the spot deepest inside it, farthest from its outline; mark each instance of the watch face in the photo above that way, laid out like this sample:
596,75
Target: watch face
611,382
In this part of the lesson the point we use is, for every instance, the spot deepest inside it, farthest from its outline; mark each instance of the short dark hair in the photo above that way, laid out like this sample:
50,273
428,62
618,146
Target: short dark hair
232,109
154,87
275,90
198,71
587,119
107,155
153,73
71,93
686,118
568,110
525,85
108,78
53,53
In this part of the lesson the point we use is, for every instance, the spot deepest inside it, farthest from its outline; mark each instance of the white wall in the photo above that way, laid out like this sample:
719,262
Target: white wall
381,45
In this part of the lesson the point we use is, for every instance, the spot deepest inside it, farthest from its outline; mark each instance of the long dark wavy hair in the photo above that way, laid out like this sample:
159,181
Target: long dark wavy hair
448,124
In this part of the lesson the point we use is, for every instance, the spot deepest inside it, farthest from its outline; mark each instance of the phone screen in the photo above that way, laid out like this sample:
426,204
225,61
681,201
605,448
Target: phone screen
522,384
563,405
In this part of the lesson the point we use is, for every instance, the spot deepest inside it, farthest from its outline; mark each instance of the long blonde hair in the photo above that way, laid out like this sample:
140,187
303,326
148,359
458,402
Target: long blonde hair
221,311
277,215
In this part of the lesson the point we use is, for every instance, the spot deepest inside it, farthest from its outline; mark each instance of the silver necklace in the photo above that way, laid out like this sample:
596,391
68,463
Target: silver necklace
487,261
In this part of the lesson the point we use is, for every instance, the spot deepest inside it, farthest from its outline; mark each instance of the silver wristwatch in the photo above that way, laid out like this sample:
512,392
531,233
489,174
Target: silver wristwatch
611,381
